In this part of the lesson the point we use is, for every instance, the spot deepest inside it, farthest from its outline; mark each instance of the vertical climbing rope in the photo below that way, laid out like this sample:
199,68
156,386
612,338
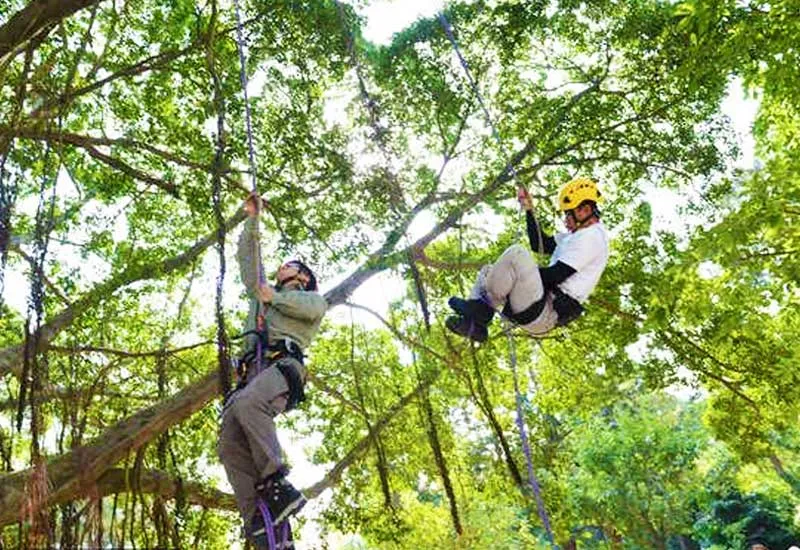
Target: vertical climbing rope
523,433
511,169
251,151
243,77
268,524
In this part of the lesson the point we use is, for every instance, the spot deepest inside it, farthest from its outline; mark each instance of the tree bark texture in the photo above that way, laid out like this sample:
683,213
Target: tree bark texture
36,20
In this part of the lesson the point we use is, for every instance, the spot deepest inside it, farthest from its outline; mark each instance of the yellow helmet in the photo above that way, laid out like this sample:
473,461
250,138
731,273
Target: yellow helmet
577,191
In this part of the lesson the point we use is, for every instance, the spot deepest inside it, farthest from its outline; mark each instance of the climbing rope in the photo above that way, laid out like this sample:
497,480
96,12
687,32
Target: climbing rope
507,327
510,168
251,151
243,77
260,326
252,161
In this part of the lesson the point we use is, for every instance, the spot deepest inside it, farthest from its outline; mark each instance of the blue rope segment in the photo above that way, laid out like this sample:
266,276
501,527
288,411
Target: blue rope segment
523,434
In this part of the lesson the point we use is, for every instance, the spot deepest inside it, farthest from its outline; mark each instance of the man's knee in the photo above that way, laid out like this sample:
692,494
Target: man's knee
515,251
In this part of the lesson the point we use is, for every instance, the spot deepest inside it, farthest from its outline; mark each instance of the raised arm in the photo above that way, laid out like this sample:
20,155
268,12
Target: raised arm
248,257
247,253
548,243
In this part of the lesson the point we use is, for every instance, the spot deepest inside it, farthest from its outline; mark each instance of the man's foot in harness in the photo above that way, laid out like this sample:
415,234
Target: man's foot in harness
280,496
472,319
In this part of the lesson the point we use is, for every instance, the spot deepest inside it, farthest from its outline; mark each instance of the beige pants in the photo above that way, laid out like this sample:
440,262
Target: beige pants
248,444
515,278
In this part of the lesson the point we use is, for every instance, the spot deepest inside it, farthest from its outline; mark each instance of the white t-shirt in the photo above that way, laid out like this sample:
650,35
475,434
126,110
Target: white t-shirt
585,251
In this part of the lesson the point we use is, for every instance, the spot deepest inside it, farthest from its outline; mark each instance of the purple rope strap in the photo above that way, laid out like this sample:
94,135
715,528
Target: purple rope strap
270,529
512,350
523,433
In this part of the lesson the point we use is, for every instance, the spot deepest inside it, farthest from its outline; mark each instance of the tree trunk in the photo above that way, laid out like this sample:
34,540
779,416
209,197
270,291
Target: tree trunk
72,474
441,463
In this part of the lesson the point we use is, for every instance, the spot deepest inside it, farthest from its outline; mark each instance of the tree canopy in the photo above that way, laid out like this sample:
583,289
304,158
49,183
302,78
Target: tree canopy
664,418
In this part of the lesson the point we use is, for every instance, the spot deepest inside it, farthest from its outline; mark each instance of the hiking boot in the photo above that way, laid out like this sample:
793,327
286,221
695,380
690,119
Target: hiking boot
473,309
258,534
280,496
469,328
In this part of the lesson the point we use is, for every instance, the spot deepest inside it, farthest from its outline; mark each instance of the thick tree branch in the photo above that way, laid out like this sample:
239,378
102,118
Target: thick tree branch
70,475
36,20
156,482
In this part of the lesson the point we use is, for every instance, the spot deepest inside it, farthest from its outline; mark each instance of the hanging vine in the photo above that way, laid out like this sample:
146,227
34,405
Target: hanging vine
223,345
429,420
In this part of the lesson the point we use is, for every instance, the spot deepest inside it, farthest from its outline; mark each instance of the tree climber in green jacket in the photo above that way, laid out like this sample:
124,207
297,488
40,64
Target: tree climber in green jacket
282,321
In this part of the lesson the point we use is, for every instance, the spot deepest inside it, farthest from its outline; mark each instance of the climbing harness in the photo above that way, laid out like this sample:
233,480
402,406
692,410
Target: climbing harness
567,308
266,355
534,483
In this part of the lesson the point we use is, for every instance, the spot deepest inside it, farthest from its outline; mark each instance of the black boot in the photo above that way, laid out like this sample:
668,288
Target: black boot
469,328
282,499
478,310
257,534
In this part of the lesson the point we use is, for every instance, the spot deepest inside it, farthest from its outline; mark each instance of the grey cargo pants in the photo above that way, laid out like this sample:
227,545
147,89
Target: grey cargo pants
515,277
248,444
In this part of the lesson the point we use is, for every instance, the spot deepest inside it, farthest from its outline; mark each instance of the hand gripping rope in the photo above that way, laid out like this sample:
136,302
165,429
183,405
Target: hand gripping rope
534,483
262,507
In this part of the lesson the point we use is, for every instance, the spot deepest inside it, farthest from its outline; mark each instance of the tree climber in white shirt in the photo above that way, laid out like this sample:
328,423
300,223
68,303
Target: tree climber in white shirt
541,298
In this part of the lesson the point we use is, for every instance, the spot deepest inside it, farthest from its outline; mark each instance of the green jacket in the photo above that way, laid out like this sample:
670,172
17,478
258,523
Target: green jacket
295,314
